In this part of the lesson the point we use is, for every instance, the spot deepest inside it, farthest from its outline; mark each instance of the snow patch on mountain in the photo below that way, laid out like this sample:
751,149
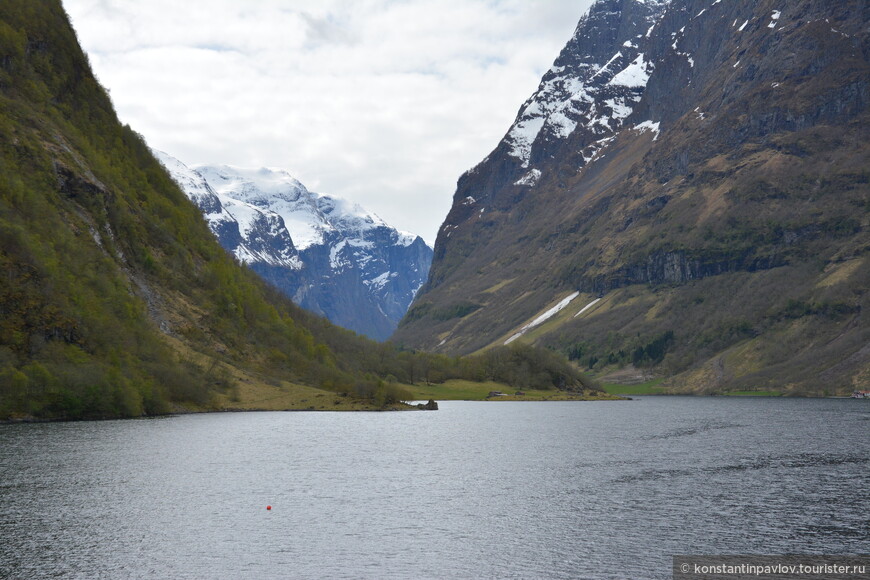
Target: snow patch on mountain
590,153
587,307
561,305
773,18
524,133
648,126
405,238
584,91
635,74
380,281
530,178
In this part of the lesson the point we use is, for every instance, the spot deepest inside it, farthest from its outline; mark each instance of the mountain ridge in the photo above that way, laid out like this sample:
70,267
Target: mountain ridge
743,159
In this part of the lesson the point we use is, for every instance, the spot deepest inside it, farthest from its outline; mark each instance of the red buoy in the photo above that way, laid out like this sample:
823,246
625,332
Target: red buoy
268,507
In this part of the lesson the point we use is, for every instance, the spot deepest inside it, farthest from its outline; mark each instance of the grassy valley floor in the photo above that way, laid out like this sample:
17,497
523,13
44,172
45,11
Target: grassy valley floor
460,390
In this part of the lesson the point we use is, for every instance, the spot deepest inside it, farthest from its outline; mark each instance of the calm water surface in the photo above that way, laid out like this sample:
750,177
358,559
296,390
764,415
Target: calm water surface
476,490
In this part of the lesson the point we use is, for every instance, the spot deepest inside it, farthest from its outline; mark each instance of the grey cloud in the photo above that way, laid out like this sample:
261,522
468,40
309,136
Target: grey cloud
325,30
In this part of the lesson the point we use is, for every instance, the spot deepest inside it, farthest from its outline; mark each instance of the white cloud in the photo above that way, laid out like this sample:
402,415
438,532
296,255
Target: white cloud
380,101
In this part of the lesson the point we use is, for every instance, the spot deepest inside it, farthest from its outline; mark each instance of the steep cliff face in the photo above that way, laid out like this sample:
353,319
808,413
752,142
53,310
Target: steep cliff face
673,150
328,254
582,102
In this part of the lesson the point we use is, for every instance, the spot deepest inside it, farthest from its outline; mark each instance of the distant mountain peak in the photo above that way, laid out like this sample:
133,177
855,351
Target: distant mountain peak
329,254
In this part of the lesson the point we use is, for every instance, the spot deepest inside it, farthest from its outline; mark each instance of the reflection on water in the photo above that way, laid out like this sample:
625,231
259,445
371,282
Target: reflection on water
493,490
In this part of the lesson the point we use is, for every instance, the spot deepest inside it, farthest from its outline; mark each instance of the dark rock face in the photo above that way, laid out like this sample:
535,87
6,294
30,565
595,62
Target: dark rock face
670,143
673,268
367,290
339,261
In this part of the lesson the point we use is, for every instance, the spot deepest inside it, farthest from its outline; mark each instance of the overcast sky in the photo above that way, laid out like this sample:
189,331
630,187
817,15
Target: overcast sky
385,102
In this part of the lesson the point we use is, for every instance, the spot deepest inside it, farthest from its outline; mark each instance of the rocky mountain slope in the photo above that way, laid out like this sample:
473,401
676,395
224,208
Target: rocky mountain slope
686,195
329,255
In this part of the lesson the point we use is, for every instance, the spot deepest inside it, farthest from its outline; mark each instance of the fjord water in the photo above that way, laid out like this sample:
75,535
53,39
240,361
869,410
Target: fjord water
475,490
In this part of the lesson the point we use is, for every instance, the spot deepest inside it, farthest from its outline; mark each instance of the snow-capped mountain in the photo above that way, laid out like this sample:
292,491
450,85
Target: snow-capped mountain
252,233
328,254
588,87
584,99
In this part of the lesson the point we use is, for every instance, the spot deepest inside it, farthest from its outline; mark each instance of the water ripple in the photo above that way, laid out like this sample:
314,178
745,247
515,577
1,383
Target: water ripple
597,491
799,461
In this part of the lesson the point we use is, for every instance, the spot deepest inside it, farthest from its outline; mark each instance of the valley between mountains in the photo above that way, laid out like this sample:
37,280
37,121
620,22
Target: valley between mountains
685,199
117,299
